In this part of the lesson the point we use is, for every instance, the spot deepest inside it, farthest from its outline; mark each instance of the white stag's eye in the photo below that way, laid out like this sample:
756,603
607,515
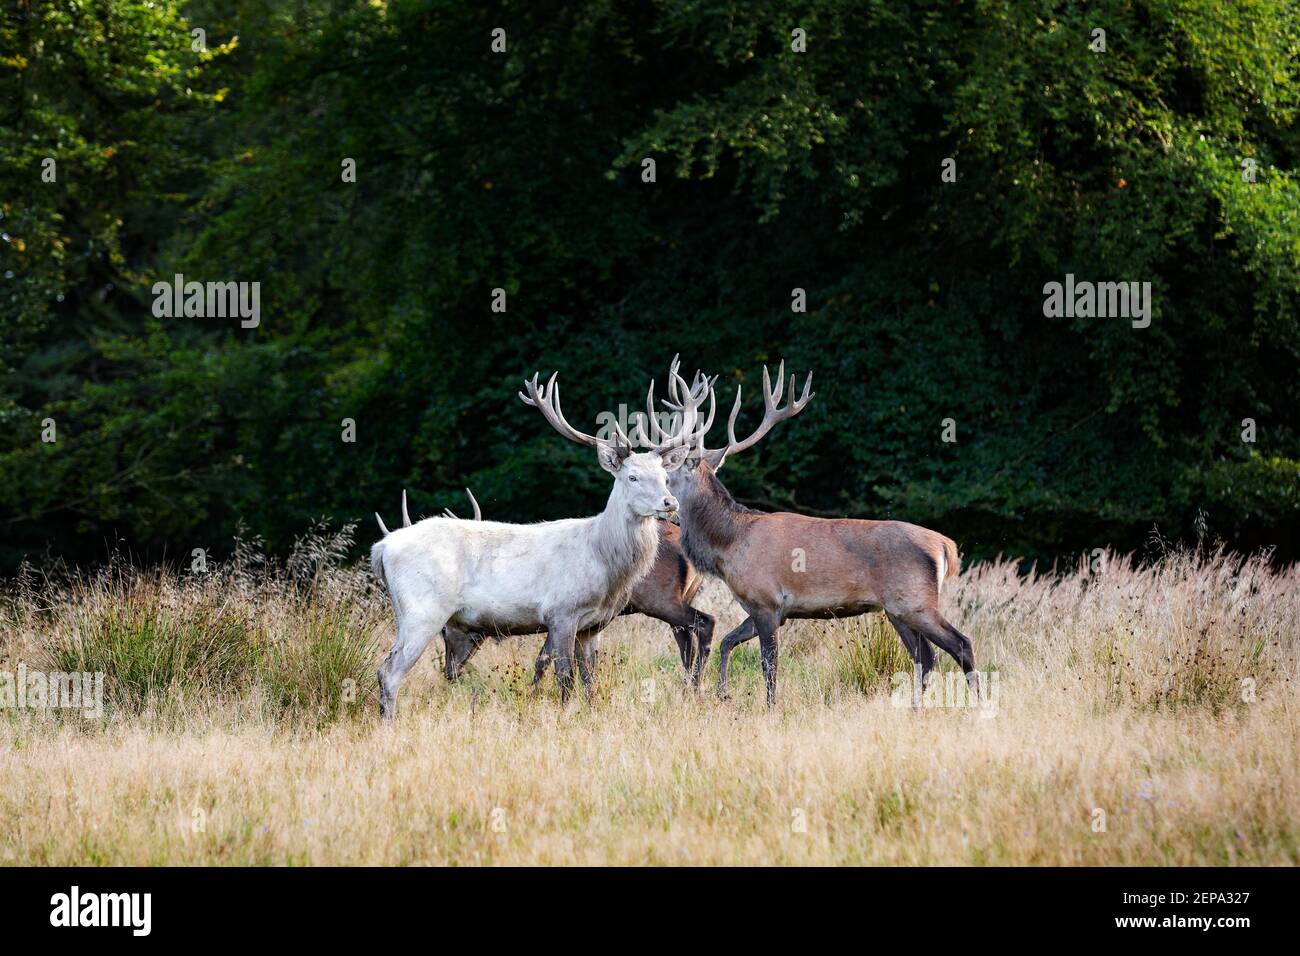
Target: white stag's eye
631,477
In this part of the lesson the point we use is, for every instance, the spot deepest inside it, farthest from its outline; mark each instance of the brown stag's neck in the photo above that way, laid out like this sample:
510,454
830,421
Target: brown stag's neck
712,524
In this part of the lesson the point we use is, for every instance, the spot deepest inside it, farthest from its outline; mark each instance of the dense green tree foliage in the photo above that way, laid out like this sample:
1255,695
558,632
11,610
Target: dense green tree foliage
775,170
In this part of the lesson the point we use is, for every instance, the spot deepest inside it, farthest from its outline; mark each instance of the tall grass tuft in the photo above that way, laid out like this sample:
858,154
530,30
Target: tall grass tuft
297,637
1194,629
1215,654
870,654
325,668
319,662
156,640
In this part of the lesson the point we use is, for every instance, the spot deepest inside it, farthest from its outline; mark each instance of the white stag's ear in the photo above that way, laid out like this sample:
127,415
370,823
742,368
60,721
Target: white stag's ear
674,458
612,456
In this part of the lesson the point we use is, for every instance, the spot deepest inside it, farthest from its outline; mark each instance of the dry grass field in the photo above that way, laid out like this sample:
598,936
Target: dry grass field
1135,716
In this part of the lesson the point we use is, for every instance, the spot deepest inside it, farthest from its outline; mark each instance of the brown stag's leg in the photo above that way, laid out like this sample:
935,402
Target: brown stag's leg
702,631
693,632
544,658
563,639
460,646
931,624
918,648
767,626
694,636
682,636
743,632
586,644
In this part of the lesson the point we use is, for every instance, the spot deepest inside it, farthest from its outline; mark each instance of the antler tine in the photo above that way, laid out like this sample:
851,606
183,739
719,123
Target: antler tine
657,434
478,515
705,387
677,387
683,399
676,384
672,377
687,406
772,400
406,518
701,386
554,396
800,402
704,383
692,400
731,419
713,408
531,385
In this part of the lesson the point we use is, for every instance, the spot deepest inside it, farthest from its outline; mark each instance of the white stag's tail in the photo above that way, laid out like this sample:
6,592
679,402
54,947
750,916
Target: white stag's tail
377,560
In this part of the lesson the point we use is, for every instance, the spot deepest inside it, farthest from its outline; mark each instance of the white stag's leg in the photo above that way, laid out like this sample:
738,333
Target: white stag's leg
414,633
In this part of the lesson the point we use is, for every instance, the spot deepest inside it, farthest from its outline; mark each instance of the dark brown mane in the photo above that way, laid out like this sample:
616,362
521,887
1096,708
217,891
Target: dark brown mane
711,522
719,491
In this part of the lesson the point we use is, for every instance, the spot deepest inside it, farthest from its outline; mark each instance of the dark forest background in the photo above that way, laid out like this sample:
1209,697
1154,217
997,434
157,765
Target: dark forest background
523,171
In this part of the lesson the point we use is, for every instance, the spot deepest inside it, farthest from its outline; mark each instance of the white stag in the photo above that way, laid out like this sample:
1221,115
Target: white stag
569,578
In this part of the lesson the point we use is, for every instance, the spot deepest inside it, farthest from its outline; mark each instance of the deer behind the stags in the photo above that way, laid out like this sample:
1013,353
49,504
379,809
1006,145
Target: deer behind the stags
569,578
782,566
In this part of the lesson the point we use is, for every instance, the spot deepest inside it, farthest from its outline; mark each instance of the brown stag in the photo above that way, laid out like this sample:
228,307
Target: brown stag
781,566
